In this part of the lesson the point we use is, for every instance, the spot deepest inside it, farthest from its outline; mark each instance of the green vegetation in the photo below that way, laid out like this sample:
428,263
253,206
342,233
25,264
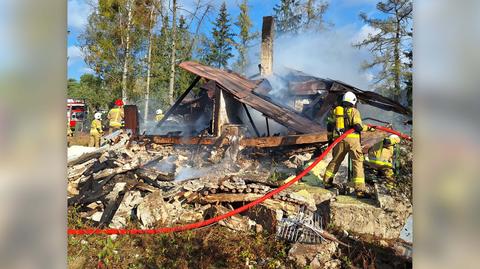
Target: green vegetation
391,46
222,44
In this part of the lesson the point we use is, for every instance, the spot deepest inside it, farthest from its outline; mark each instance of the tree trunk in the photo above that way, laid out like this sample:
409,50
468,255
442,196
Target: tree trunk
172,63
127,51
149,62
396,66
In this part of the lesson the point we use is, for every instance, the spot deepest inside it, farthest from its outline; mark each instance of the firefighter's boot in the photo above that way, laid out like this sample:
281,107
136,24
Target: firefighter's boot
328,183
390,180
361,190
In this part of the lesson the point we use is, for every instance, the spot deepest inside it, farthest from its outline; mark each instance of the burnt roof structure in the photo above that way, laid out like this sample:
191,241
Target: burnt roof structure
242,90
237,102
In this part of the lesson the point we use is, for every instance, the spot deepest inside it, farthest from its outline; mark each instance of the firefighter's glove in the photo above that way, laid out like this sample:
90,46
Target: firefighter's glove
358,128
371,129
341,131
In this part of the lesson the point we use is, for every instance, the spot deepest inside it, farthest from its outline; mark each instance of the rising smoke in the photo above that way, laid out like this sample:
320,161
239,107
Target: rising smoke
327,54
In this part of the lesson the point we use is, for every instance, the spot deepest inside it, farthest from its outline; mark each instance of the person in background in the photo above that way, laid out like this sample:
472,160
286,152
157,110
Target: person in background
96,131
380,158
341,119
159,115
115,116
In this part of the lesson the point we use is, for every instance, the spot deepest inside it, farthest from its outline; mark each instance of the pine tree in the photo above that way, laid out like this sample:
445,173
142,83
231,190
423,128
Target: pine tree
388,44
313,15
184,39
245,24
221,46
291,16
288,19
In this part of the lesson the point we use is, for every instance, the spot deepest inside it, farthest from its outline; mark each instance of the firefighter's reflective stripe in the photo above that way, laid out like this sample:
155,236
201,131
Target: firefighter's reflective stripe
378,162
353,135
358,180
115,117
328,174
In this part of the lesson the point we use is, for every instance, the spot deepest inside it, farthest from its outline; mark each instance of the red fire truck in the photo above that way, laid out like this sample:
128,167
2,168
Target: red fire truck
76,113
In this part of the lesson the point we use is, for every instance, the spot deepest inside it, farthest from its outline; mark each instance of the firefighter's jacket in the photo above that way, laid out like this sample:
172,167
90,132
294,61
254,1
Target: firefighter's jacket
381,156
96,127
159,117
351,117
115,117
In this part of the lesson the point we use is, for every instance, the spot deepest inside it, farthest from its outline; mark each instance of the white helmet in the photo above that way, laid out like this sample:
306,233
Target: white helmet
350,98
394,139
97,115
159,111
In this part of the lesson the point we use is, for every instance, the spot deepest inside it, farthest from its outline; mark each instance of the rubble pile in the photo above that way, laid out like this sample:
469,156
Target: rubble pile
150,186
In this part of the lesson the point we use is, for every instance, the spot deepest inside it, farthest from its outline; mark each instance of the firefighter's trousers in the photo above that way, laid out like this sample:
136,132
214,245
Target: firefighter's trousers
385,172
350,145
94,140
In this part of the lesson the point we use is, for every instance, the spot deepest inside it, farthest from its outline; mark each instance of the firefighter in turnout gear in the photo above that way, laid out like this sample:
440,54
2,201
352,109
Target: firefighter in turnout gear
96,131
341,119
158,115
115,116
380,158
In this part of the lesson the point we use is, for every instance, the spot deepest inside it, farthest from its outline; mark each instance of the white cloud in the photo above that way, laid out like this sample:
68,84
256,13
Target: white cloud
78,11
364,32
74,54
87,70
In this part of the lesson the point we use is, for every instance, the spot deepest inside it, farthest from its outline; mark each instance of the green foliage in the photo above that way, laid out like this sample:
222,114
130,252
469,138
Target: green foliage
292,16
387,44
91,89
221,45
104,41
287,16
244,23
104,46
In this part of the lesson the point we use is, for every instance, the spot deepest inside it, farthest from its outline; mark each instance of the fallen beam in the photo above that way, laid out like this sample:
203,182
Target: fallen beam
247,197
289,140
176,140
258,142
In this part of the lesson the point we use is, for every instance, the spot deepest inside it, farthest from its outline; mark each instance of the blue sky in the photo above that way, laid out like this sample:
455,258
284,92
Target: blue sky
342,13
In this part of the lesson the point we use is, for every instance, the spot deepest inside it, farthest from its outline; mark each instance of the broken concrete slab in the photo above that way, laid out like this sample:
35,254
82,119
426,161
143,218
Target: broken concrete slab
236,223
130,200
364,218
264,216
153,209
318,194
312,255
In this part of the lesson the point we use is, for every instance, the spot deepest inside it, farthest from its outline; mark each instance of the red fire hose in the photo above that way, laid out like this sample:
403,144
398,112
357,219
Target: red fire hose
233,212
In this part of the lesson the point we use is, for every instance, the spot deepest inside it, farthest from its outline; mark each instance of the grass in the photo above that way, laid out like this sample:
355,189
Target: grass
210,247
79,139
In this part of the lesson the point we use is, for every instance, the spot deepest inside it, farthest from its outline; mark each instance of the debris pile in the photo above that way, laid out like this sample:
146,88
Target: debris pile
150,186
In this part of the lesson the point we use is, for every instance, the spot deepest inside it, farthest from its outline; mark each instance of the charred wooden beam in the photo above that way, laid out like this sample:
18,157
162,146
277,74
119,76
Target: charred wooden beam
259,142
268,126
182,140
251,120
289,140
179,100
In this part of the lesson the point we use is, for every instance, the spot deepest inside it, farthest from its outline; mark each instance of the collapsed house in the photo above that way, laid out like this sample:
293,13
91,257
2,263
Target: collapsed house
229,140
267,109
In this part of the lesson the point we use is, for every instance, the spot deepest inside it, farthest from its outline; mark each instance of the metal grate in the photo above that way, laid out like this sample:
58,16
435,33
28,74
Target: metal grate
304,227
